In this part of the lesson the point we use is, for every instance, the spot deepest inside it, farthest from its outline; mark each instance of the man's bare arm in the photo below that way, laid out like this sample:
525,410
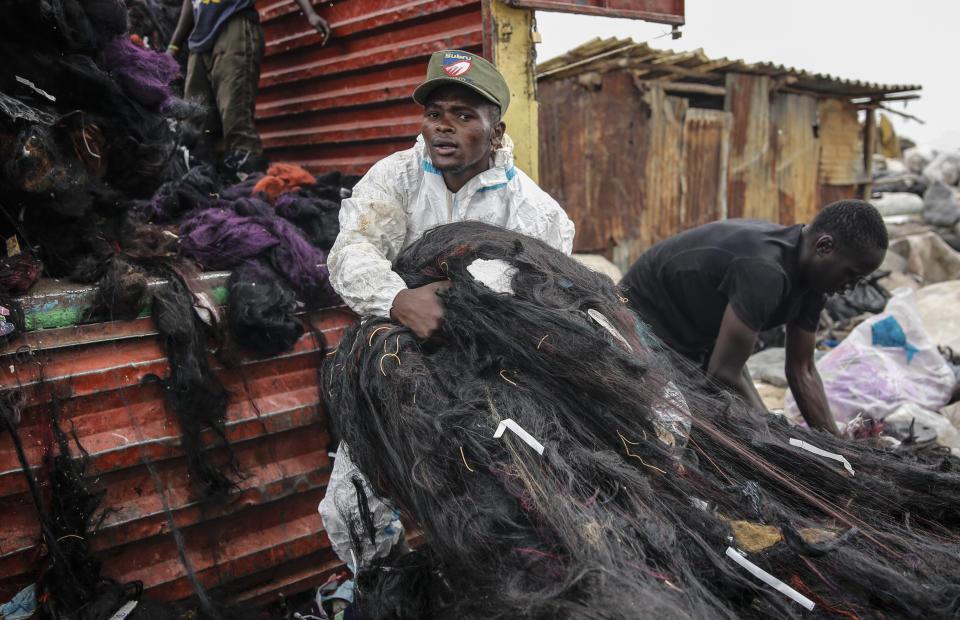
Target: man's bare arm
184,26
734,345
805,382
318,23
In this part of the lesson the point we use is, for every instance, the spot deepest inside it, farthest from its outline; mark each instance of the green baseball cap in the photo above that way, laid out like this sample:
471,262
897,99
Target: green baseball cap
464,69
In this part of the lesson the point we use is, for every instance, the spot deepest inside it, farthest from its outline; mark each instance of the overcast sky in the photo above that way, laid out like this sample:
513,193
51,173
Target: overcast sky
885,41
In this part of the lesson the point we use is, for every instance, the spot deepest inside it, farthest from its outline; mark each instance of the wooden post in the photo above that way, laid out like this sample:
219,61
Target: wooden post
869,146
515,56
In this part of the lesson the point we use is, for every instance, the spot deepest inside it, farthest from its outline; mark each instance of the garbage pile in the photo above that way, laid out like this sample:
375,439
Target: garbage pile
924,182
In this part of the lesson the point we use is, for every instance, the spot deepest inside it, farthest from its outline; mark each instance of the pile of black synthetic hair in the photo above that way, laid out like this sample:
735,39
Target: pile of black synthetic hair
87,124
70,582
262,310
626,512
154,20
96,176
194,392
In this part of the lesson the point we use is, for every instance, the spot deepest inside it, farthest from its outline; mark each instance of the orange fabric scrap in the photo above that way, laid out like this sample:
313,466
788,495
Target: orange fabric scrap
282,178
801,587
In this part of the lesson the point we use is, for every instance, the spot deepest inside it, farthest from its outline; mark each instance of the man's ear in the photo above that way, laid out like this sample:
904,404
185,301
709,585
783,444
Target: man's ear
824,245
496,138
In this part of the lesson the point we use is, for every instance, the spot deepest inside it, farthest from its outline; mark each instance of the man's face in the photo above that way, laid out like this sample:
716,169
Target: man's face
837,270
460,133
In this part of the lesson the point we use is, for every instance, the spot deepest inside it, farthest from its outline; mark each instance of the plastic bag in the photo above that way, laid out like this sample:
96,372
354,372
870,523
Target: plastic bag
867,296
861,377
340,507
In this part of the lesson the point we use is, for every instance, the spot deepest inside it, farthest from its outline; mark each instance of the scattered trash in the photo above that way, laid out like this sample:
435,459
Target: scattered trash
860,376
21,606
769,579
916,159
809,447
906,183
939,308
768,365
927,256
888,333
944,168
867,296
897,203
911,423
940,205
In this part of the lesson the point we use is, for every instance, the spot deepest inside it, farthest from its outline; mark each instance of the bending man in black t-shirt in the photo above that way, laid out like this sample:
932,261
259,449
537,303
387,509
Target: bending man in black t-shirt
708,291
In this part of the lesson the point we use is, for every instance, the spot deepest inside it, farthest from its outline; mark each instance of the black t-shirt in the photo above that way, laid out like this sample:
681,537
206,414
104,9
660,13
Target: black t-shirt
682,285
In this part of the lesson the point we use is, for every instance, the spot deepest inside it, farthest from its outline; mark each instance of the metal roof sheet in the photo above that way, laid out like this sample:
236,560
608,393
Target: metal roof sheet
621,54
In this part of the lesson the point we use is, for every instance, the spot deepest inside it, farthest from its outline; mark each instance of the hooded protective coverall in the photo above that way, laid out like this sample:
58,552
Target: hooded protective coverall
400,198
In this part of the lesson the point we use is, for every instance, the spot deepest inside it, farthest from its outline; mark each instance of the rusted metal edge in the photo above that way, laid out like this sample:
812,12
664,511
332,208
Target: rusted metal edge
345,26
54,304
413,50
375,132
579,7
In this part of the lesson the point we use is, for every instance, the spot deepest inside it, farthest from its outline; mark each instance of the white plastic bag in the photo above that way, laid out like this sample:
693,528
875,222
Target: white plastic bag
859,376
339,507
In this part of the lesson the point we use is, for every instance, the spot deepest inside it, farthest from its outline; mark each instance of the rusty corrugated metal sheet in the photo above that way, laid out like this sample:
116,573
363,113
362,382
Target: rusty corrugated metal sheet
630,164
706,144
594,140
348,104
841,160
665,176
751,180
833,193
664,11
797,156
268,538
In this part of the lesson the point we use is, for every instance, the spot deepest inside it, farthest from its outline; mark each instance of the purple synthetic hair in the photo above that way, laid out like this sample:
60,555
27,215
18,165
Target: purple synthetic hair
143,74
220,239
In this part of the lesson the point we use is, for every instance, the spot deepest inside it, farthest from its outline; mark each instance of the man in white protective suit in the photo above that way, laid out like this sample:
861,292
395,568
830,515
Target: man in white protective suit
461,168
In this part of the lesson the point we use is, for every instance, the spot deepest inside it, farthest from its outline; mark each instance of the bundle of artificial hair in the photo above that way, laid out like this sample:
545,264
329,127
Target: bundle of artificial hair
561,466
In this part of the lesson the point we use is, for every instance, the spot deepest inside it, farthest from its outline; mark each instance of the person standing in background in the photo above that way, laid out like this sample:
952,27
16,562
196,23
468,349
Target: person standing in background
226,47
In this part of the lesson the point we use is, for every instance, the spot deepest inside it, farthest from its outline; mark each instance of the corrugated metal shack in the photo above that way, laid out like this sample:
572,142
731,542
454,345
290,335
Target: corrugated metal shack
639,144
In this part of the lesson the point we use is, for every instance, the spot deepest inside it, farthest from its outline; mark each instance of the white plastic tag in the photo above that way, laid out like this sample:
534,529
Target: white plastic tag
522,434
124,611
809,447
769,579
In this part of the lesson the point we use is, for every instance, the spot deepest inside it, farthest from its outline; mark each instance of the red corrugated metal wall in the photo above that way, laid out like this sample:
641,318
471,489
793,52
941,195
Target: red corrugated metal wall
266,538
347,104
